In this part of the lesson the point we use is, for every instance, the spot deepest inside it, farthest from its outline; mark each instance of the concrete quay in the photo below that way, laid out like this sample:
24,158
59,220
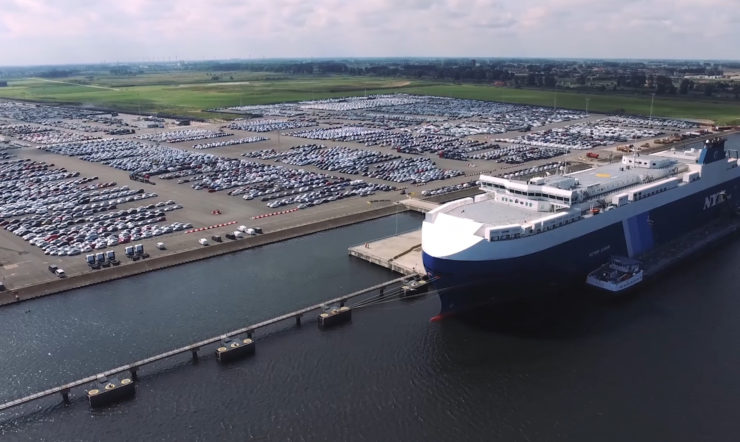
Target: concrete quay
192,255
400,253
422,206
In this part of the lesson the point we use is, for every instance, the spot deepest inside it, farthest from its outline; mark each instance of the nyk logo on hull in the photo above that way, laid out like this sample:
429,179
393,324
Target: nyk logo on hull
714,199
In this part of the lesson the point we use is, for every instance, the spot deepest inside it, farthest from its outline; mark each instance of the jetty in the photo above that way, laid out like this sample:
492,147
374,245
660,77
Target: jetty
194,348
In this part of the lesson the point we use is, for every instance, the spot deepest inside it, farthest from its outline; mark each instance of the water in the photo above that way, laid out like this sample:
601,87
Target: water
659,365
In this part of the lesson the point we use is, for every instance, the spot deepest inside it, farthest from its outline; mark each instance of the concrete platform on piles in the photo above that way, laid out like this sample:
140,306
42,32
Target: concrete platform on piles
400,253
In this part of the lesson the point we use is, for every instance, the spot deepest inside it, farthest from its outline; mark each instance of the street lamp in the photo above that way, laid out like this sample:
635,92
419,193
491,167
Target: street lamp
652,100
587,100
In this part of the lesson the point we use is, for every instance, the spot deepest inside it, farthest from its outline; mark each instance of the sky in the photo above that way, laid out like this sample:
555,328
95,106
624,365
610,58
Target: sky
92,31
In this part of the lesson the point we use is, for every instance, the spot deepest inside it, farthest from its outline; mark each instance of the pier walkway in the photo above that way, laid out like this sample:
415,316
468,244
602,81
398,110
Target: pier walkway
194,348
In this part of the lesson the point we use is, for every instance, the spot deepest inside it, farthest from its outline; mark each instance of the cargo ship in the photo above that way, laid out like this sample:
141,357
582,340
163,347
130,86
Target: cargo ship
525,237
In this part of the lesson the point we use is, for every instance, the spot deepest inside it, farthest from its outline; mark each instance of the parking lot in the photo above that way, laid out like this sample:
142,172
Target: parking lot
72,190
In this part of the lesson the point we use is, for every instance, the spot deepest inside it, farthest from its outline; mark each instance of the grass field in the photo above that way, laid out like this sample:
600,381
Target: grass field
191,93
721,111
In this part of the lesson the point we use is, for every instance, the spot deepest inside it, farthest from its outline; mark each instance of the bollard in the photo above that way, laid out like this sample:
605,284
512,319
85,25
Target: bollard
249,334
194,351
341,303
134,374
298,320
65,395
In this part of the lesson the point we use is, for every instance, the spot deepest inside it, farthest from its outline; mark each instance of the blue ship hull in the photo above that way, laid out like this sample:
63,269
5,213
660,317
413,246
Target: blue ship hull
463,285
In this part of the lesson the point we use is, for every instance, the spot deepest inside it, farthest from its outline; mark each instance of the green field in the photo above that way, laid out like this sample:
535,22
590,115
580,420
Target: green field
720,111
191,93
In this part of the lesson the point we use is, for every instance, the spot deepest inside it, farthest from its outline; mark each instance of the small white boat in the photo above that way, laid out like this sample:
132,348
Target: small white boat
617,275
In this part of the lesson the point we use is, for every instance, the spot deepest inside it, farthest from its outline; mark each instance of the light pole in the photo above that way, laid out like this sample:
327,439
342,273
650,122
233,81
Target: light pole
652,100
587,100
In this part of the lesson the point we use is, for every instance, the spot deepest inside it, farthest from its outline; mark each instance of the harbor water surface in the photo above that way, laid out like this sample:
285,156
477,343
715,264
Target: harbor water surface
660,364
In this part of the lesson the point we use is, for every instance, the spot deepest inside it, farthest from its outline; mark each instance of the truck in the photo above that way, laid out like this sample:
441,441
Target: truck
142,178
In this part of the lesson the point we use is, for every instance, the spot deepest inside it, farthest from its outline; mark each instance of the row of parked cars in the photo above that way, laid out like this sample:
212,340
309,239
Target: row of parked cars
411,170
34,113
232,142
549,168
447,189
325,194
335,159
178,136
342,133
518,154
583,136
134,155
268,125
70,237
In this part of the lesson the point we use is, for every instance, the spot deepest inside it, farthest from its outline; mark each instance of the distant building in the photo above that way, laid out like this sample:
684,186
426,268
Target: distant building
3,83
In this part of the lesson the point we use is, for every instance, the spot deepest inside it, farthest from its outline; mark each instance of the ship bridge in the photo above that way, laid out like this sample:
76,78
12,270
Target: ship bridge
557,192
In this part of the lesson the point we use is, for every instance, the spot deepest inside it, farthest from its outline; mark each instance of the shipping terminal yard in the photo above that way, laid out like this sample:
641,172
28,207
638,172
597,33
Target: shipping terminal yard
89,196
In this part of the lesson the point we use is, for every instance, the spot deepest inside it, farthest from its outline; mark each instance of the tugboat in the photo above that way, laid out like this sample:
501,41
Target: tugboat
617,275
416,286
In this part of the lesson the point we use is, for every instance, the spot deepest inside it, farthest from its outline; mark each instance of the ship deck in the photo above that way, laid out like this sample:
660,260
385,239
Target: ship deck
614,175
493,213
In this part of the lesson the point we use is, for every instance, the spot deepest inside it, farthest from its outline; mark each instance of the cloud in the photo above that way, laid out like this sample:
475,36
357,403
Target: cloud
62,31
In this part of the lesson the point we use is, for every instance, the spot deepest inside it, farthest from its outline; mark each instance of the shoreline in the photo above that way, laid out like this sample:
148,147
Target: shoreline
34,291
